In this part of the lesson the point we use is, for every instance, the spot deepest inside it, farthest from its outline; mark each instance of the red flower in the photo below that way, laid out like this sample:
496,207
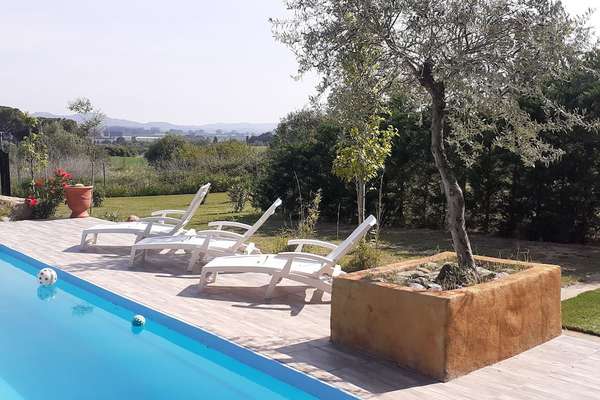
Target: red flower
39,182
60,172
31,201
67,176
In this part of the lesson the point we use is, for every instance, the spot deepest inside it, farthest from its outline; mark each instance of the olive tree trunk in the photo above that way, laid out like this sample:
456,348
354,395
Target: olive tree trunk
454,195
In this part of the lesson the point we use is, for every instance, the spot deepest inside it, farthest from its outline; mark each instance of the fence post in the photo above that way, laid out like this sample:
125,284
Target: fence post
4,173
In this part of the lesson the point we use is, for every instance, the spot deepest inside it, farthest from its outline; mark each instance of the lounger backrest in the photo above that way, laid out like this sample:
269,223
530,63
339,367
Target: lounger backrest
192,208
352,240
266,215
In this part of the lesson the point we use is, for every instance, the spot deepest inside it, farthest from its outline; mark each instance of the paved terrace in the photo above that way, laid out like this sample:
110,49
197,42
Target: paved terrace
293,327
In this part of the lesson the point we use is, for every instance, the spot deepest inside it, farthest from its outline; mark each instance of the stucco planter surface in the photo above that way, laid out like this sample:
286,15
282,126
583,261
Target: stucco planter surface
79,200
450,333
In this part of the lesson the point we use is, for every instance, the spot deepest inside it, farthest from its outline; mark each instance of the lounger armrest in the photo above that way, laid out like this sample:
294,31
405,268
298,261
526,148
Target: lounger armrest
220,224
160,220
310,256
217,233
164,213
310,242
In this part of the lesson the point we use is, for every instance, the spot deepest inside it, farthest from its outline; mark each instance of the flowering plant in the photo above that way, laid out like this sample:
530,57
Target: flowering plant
46,194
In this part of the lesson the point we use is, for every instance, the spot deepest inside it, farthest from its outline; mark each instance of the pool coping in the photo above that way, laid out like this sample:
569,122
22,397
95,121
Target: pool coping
274,368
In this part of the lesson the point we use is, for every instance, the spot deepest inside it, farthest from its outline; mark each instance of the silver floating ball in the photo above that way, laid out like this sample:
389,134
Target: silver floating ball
138,320
47,277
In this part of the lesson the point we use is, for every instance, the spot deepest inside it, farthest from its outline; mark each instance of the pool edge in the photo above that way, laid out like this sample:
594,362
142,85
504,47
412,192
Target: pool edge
260,362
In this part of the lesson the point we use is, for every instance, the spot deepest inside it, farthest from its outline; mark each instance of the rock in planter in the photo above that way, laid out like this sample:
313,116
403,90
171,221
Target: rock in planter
15,208
446,334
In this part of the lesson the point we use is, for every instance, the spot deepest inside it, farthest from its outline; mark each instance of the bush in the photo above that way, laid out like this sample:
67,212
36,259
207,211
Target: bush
170,148
44,195
298,163
309,218
113,215
239,194
98,196
364,256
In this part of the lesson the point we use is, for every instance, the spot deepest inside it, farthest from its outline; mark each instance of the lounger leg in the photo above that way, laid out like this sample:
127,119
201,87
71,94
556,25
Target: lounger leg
193,261
202,283
83,244
275,279
133,256
137,256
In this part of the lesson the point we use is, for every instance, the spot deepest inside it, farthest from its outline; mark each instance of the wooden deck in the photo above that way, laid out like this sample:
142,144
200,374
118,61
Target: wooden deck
293,327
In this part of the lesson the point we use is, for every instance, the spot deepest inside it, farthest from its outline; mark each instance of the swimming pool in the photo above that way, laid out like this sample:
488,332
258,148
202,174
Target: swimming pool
75,340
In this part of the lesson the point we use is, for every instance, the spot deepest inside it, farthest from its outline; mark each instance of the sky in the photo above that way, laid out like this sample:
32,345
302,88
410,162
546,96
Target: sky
184,62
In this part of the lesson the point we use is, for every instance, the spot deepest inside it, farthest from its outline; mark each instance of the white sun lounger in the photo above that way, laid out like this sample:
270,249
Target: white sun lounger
307,268
208,243
159,224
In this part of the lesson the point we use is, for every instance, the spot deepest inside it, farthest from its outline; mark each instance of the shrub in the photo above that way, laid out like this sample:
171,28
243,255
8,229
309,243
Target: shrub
364,256
167,149
307,226
239,194
98,196
44,195
279,243
112,215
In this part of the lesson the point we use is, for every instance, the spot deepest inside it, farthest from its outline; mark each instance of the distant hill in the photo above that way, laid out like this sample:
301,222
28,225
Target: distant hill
241,127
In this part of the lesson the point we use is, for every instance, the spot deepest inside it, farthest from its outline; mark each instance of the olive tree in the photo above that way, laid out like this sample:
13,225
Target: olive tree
471,63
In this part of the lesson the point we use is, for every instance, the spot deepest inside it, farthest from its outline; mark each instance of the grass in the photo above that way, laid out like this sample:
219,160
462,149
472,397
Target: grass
579,262
582,313
120,163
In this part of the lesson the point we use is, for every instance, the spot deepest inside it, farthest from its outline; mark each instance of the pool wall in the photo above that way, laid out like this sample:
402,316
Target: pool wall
273,368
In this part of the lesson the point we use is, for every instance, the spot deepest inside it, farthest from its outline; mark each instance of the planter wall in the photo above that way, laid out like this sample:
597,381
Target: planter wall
447,334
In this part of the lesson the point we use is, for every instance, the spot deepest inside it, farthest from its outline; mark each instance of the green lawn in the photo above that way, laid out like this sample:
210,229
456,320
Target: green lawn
215,207
127,162
582,313
578,261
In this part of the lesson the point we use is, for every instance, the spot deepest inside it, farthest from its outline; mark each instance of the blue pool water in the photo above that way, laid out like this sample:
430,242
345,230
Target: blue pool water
76,341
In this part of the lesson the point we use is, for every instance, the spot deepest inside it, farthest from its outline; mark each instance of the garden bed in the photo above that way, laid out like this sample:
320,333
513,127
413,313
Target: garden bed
445,334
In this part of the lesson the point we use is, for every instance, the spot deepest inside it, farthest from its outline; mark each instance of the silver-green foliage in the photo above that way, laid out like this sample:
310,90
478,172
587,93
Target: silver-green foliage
490,54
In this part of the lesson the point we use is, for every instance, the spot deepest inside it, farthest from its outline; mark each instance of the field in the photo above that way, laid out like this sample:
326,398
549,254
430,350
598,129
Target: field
579,262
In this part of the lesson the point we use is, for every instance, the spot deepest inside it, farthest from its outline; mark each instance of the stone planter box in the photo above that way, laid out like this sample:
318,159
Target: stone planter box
450,333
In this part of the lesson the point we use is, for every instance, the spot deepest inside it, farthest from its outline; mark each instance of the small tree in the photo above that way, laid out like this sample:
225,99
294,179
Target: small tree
355,102
362,156
33,146
90,127
471,62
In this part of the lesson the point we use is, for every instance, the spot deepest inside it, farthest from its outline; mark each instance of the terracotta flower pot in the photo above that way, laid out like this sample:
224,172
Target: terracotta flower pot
79,200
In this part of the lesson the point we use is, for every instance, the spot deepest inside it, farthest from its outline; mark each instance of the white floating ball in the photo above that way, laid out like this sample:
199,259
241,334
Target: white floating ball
47,277
138,320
